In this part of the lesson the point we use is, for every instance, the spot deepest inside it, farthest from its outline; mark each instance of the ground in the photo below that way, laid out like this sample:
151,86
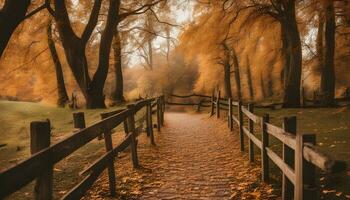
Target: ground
330,124
195,158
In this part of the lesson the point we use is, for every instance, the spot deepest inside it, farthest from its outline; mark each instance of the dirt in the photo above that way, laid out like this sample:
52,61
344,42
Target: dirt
195,158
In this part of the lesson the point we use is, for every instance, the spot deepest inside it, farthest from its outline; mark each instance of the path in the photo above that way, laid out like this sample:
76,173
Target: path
196,158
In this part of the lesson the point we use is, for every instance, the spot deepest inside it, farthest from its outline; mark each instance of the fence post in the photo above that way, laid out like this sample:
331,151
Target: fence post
218,105
299,182
240,118
125,124
230,120
79,120
159,124
131,129
40,139
212,104
162,101
251,130
199,106
265,143
149,122
109,147
309,176
289,126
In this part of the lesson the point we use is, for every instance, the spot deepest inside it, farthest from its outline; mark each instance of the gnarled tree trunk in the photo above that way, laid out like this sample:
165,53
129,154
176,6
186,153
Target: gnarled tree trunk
62,97
75,46
118,95
11,15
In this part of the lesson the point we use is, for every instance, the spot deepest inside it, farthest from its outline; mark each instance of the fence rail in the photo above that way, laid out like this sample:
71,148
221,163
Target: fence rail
300,154
40,165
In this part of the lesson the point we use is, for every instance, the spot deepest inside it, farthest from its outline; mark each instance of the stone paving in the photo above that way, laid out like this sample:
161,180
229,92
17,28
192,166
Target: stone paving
196,157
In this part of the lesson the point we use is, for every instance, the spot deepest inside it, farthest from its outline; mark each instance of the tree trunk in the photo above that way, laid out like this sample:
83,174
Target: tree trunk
292,87
286,56
150,54
74,47
327,89
263,93
11,15
250,81
227,72
62,95
237,74
320,39
118,95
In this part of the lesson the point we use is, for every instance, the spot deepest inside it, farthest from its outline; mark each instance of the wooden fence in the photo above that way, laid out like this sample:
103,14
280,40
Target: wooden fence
40,165
300,156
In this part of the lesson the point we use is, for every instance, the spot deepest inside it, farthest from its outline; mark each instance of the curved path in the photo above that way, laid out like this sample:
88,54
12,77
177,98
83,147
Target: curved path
195,158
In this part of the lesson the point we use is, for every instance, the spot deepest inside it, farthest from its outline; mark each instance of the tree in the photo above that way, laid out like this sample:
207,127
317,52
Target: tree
226,63
119,85
62,99
75,46
237,74
11,15
327,89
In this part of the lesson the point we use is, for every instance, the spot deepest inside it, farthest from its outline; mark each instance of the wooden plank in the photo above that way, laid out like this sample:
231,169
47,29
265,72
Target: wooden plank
79,120
131,127
299,180
190,95
102,161
230,120
280,134
289,125
235,103
212,104
17,176
310,187
40,134
265,143
323,161
154,103
79,190
140,104
289,172
250,115
218,104
150,123
159,123
254,139
111,170
240,119
251,131
74,142
235,119
112,113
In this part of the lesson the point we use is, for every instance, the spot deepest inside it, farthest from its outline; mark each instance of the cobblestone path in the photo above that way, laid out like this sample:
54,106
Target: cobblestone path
195,158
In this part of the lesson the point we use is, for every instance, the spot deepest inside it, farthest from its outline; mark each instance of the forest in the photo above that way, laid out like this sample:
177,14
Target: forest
286,58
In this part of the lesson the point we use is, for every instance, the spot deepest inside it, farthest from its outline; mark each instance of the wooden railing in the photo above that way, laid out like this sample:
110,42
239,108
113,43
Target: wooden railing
300,155
40,165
